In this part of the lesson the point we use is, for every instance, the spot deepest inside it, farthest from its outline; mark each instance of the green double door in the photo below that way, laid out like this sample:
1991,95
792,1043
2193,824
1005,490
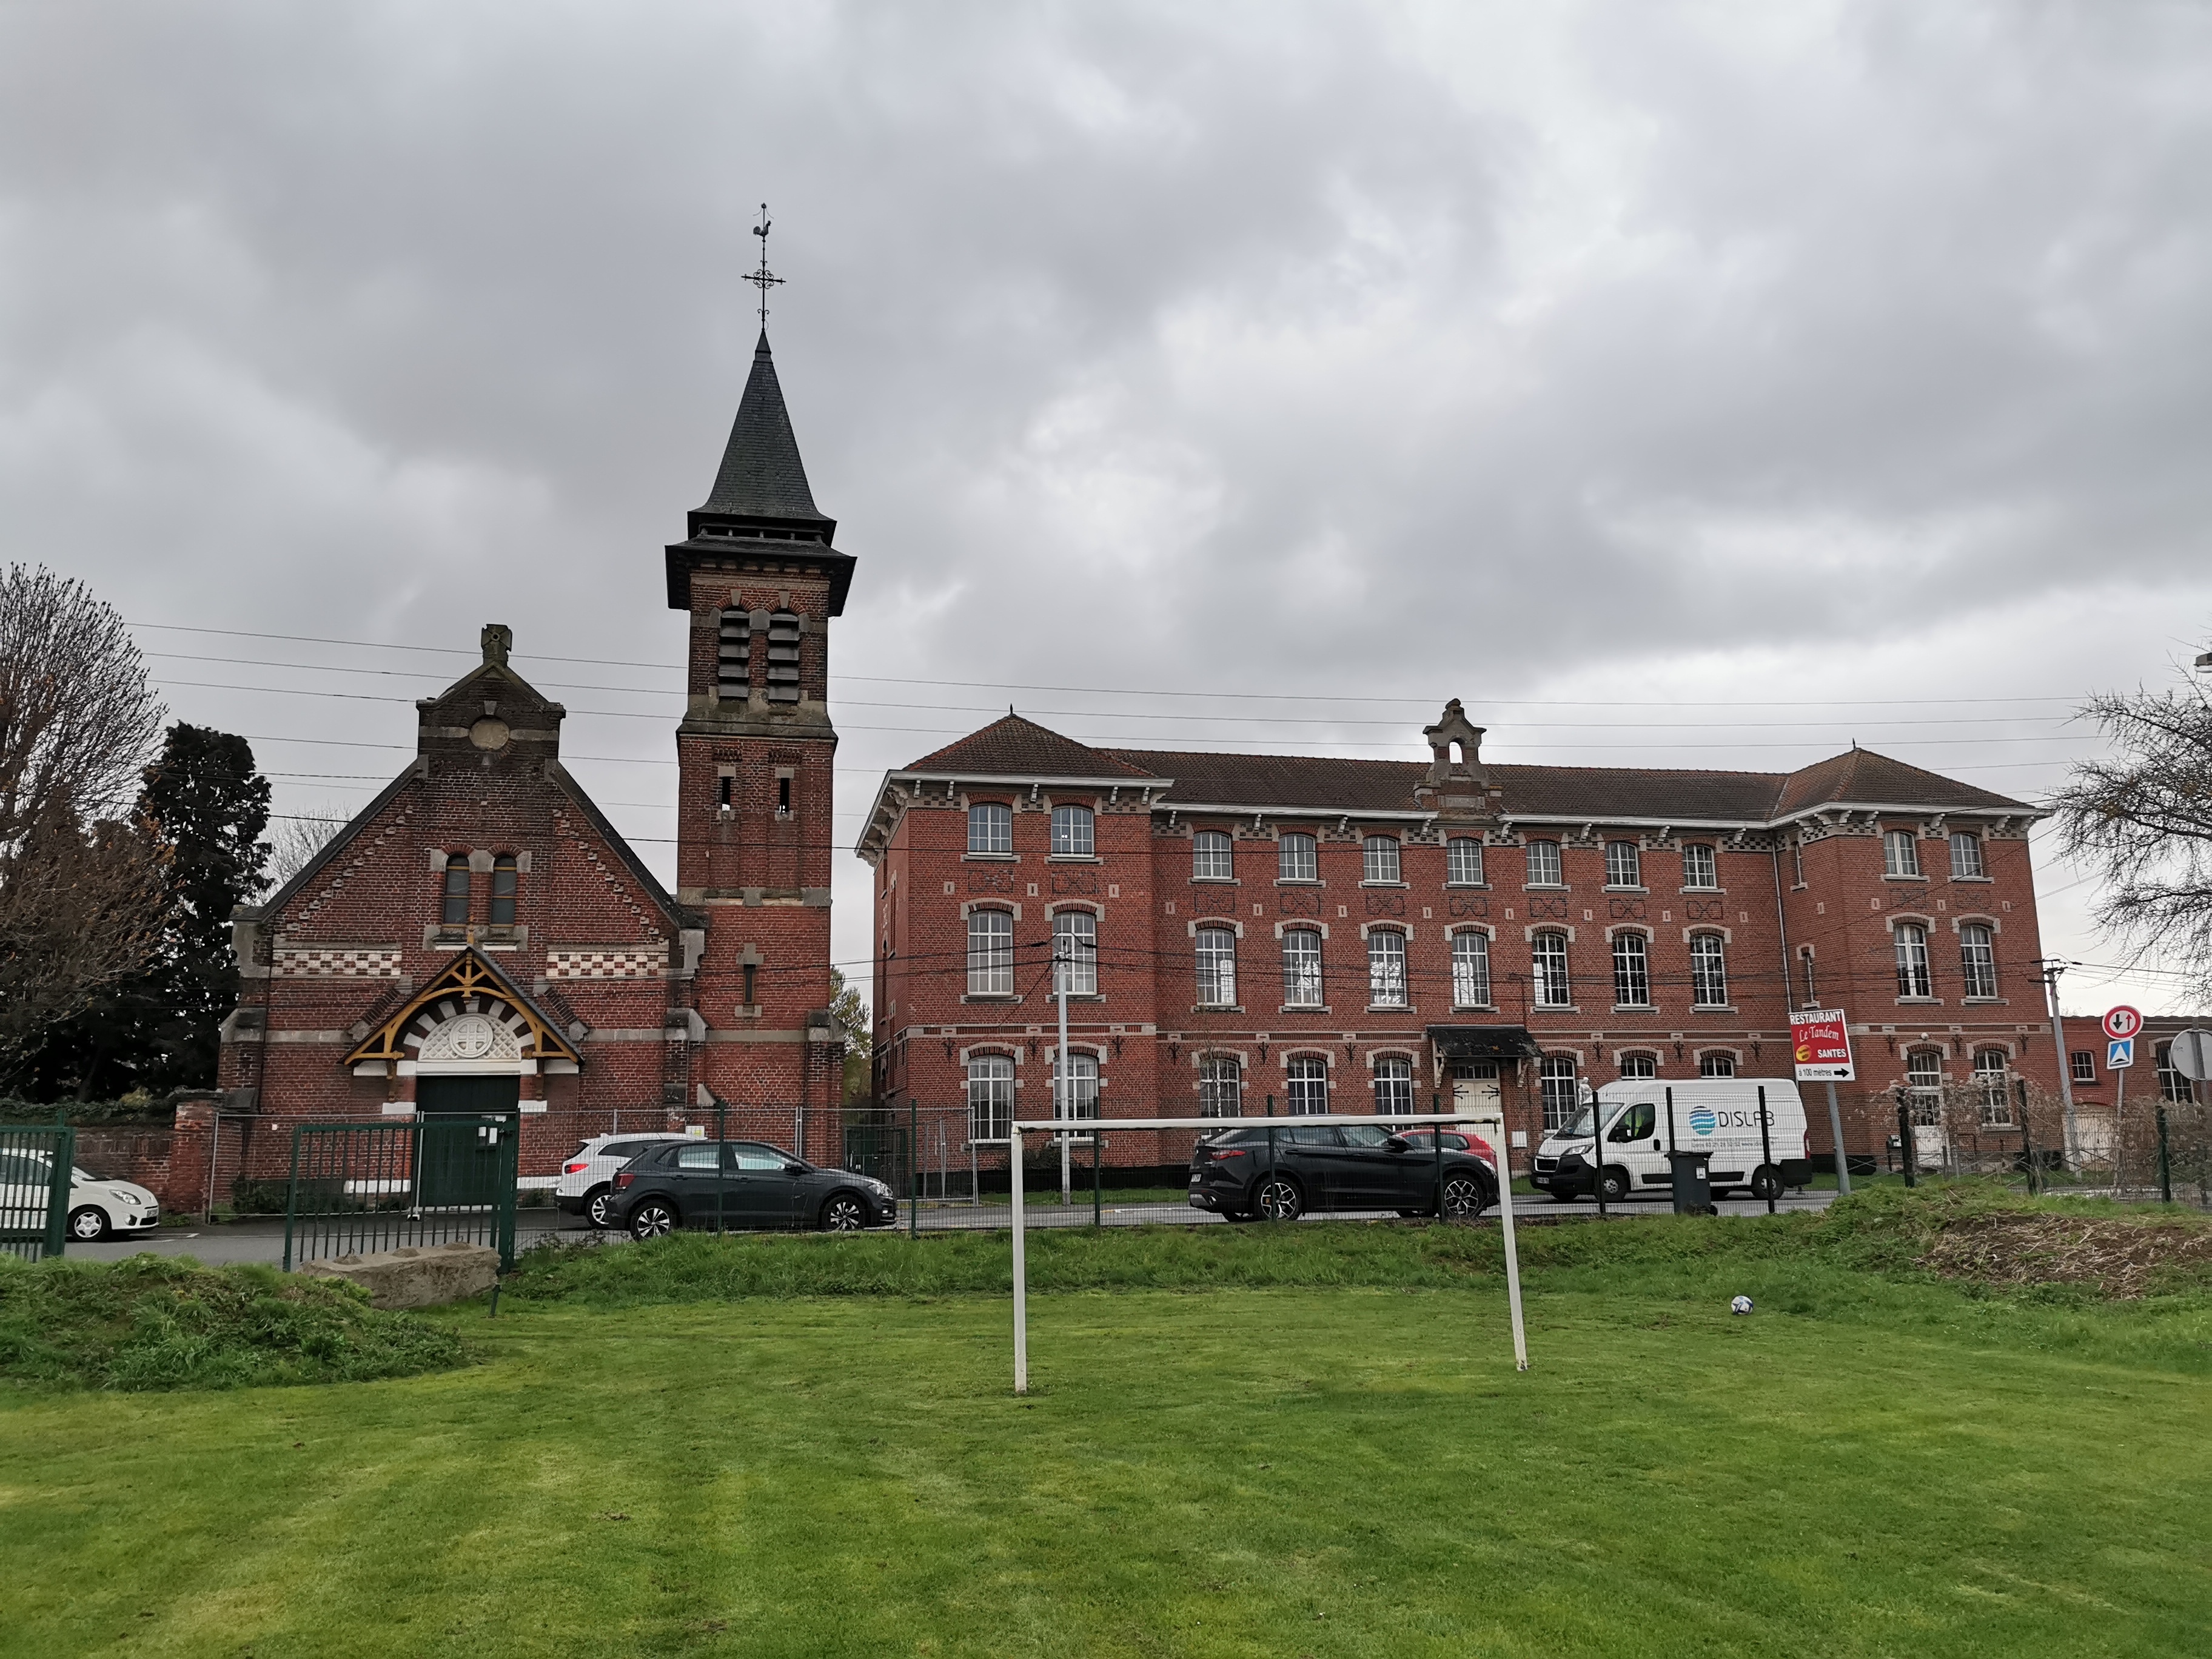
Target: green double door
461,1161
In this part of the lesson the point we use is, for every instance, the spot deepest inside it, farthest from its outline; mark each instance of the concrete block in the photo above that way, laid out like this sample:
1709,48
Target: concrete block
415,1278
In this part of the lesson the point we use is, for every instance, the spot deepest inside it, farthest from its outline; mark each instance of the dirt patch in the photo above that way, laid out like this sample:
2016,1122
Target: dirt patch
2120,1258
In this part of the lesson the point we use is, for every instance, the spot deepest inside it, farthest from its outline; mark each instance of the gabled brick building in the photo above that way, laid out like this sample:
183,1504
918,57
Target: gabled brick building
480,937
1344,934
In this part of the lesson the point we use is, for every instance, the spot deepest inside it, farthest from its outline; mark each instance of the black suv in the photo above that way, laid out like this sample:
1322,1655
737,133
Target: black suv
744,1184
1328,1166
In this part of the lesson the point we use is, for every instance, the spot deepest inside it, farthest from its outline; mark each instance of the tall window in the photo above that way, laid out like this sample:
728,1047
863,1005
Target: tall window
1302,968
1386,969
1082,1086
1470,969
1708,970
783,656
1978,960
1966,855
1071,833
990,954
733,665
1912,960
1379,858
1900,853
1624,863
1797,861
1805,959
1217,967
1296,859
1556,1076
1463,862
1699,867
990,1097
1640,1065
1923,1086
503,880
1544,864
1631,970
1220,1086
1075,953
1548,954
1209,856
1308,1086
2083,1064
1393,1086
990,827
1716,1064
454,912
1993,1085
2171,1085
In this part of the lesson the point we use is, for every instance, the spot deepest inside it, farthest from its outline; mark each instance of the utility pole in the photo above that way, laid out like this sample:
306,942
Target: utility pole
1063,968
2051,969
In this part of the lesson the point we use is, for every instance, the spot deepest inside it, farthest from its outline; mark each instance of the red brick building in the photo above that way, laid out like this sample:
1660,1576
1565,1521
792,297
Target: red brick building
1354,935
481,938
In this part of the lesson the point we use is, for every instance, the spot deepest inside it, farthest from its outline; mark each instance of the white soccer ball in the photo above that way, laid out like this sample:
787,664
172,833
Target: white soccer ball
1741,1305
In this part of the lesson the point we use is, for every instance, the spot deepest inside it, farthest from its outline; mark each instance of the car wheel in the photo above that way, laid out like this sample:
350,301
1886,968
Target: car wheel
599,1208
843,1213
88,1225
1278,1199
1766,1181
653,1219
1616,1186
1465,1197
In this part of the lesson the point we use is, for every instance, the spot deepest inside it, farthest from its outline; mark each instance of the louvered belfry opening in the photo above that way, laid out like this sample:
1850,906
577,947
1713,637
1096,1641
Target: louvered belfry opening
783,657
734,671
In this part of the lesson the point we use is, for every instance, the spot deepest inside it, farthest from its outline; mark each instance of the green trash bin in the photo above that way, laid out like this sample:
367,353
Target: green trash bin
1693,1182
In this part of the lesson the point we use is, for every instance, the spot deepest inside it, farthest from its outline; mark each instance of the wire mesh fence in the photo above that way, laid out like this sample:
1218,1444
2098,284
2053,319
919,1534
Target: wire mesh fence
2154,1143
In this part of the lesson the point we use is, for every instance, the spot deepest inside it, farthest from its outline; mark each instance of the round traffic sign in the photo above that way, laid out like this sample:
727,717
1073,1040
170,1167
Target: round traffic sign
2191,1054
2122,1023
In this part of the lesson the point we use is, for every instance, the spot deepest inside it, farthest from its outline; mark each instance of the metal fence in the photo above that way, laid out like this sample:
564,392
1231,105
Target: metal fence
358,1188
2153,1142
36,1160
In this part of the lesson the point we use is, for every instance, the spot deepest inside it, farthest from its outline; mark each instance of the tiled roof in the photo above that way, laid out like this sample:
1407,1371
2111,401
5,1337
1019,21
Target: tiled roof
760,475
1014,747
1862,775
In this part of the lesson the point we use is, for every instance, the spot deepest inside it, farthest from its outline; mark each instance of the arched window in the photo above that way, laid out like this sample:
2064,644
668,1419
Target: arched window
1379,858
1296,859
1966,856
1308,1085
990,1098
1716,1064
454,912
1386,969
1544,865
990,954
1631,971
1923,1086
1075,953
1557,1075
1071,833
1217,968
1900,853
990,827
1393,1086
783,656
1220,1086
1640,1065
1081,1085
1302,968
1699,867
1978,960
1463,862
1912,960
1708,970
1470,969
1547,954
1993,1083
504,877
1210,858
1624,863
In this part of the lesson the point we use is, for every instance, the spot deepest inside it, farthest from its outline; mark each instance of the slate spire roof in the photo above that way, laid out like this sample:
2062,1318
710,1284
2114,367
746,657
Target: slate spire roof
760,475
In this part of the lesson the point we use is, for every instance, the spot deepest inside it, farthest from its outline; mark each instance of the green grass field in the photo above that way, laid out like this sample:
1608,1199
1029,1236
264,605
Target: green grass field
670,1452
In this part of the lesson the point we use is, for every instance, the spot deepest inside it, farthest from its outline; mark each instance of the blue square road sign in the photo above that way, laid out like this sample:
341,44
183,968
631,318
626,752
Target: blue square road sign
2119,1054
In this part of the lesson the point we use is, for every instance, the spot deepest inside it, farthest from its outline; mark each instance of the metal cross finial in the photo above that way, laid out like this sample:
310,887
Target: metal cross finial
763,279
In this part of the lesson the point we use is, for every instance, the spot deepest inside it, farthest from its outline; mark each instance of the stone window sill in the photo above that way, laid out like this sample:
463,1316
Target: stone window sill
1475,1007
991,996
1305,1008
1468,886
1073,858
1714,1008
1385,883
1216,1008
990,858
1215,881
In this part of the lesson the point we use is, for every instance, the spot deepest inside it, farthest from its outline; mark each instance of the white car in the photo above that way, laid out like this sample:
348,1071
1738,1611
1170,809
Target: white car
97,1208
587,1174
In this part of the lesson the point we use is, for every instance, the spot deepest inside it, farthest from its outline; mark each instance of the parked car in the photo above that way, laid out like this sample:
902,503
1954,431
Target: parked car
1328,1166
97,1208
1718,1115
586,1184
744,1184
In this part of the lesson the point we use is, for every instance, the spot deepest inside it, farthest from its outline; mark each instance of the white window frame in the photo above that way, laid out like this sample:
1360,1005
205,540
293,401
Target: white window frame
1632,970
1995,1086
1213,856
1624,863
990,1098
1074,832
1305,1085
1214,951
1708,970
1556,1087
990,953
1977,958
1546,854
1295,972
1925,1097
1911,945
1386,969
1221,1085
1075,953
990,814
1716,1062
1554,979
1379,854
1393,1086
1646,1065
1295,849
1463,854
1900,853
1470,953
1083,1080
1707,879
1974,866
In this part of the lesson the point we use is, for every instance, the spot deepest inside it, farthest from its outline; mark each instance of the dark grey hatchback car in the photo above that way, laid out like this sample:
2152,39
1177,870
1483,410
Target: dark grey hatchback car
1328,1166
743,1184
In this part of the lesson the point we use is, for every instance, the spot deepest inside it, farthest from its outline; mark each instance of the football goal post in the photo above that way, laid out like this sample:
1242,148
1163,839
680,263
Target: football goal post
1491,1127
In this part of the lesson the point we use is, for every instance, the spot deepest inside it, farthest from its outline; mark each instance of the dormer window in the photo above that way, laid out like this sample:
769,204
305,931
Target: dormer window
454,912
733,667
783,656
503,883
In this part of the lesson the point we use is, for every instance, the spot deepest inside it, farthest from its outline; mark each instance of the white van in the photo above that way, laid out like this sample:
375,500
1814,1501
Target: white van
1716,1114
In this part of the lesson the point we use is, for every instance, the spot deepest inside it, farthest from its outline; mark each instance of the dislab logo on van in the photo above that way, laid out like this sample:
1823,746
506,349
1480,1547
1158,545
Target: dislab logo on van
1702,1121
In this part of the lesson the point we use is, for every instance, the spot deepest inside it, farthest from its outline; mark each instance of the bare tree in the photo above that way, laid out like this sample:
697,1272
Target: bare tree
81,889
294,839
2143,819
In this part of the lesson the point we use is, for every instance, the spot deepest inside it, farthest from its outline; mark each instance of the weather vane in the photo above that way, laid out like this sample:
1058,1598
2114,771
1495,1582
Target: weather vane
763,279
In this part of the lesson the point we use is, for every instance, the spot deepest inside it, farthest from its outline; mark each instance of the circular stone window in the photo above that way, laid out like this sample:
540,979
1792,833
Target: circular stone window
489,734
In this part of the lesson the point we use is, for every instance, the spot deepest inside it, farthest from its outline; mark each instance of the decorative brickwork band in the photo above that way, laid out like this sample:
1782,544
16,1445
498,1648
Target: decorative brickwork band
644,961
314,962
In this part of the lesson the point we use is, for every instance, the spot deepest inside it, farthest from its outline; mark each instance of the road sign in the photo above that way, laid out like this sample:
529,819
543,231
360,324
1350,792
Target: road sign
2122,1023
2191,1054
2119,1054
1821,1043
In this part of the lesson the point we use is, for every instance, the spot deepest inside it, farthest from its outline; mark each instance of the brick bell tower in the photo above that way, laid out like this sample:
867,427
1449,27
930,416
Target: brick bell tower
756,755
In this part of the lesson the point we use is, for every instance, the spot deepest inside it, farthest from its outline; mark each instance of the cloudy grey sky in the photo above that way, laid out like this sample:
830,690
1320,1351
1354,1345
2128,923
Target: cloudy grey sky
1698,384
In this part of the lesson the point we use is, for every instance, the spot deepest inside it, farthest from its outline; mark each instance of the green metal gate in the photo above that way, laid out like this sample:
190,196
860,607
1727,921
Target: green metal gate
358,1188
35,1162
